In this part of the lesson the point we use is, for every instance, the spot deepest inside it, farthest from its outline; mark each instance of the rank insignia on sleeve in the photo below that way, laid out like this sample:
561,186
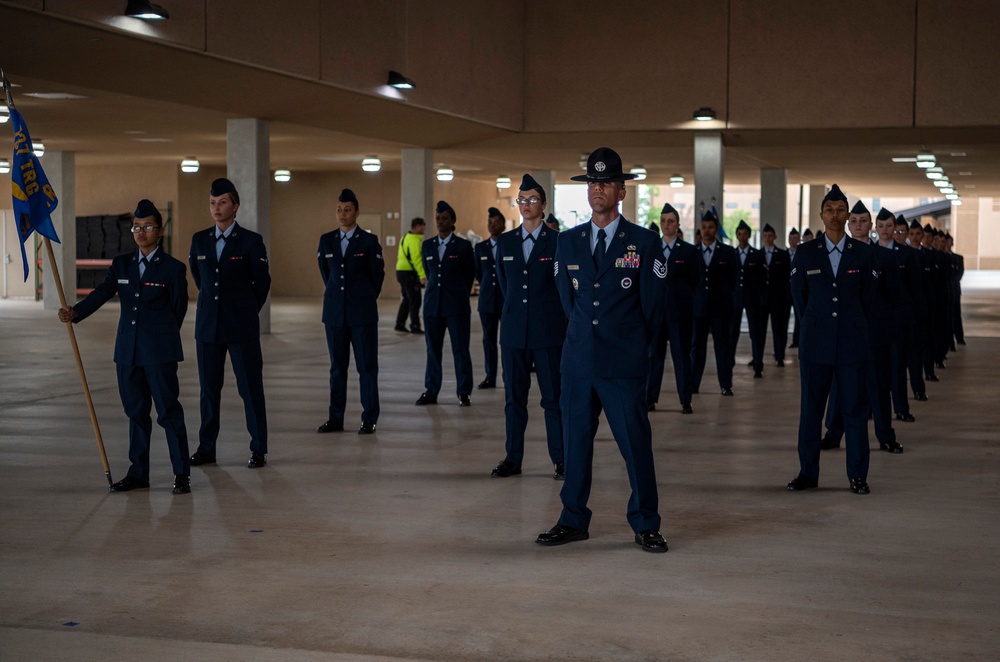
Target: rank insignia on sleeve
659,269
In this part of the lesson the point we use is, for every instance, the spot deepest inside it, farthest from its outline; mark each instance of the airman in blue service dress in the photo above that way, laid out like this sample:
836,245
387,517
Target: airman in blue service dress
714,305
450,268
746,297
833,286
152,290
532,329
490,305
229,266
351,265
677,324
775,297
911,300
882,328
609,274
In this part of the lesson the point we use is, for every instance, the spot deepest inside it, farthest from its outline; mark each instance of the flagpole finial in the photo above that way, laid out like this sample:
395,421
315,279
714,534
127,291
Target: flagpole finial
6,89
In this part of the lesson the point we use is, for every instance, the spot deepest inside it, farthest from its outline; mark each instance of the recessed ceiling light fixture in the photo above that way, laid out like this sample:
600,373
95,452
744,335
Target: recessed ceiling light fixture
639,172
399,81
948,190
676,181
704,114
935,173
503,181
39,148
4,113
190,165
445,174
371,164
282,175
941,183
4,166
145,10
926,161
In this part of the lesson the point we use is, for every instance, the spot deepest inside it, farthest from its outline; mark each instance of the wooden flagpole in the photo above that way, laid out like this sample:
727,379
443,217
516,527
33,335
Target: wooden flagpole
79,361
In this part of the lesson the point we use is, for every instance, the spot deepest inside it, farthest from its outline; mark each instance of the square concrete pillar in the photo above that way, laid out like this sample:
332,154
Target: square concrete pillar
811,207
60,168
416,194
709,161
248,166
774,201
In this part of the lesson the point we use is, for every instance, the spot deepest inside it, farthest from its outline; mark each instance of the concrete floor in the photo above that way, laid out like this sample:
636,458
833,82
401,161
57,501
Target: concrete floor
401,547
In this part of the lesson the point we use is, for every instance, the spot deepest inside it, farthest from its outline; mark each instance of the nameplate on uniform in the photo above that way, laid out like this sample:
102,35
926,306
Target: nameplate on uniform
506,258
813,272
328,255
202,257
123,281
572,267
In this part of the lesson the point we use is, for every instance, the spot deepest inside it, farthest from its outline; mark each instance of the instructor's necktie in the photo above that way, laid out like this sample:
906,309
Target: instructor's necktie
601,249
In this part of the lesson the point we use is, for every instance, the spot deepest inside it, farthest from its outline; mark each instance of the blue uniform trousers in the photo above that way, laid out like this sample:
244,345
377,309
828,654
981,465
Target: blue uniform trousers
678,333
517,382
458,327
248,367
852,388
364,339
624,403
720,328
491,328
899,359
140,387
879,386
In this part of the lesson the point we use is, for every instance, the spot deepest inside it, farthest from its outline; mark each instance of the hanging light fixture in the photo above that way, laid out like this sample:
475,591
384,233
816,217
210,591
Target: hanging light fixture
371,164
952,196
948,190
503,181
639,172
4,114
445,174
941,183
39,148
704,114
934,173
282,175
190,165
583,161
4,166
676,181
957,202
146,10
926,161
399,81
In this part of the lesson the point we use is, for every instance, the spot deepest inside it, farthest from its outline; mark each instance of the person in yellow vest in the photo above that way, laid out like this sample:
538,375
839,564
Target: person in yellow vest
411,277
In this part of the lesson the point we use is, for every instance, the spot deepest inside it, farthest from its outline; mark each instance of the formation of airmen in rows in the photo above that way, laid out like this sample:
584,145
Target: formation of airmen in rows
590,311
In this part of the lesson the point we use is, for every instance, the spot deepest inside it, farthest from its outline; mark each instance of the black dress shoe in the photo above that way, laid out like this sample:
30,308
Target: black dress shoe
794,345
182,485
464,401
932,378
366,428
859,486
560,535
651,541
506,469
651,406
728,392
801,482
891,447
781,363
330,426
425,399
694,391
758,374
829,442
559,472
129,483
940,365
256,461
200,458
417,330
961,342
905,416
686,408
920,397
400,327
750,363
486,384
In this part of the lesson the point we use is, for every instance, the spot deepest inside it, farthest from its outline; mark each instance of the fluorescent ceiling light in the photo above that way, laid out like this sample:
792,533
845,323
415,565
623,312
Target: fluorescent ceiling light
948,189
445,174
503,181
145,10
704,114
639,172
4,166
941,183
371,164
957,202
39,148
282,175
399,81
952,196
4,114
190,165
903,159
676,181
53,96
930,163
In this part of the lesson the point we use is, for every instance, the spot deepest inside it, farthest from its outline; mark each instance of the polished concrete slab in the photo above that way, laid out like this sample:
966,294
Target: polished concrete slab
399,546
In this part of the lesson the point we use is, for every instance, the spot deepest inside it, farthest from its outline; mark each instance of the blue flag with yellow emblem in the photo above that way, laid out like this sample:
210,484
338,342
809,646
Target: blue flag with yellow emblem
34,199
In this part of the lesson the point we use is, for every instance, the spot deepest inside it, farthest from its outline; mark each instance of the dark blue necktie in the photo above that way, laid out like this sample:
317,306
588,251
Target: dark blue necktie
601,248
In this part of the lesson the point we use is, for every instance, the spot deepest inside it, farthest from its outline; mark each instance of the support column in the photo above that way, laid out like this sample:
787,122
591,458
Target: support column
248,166
60,167
416,196
547,180
774,201
709,161
811,208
